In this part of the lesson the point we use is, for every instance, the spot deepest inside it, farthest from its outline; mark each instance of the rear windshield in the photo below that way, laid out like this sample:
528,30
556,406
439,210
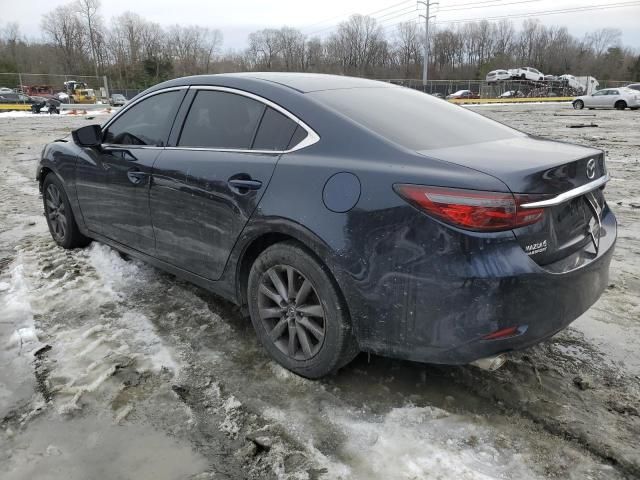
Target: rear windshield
412,119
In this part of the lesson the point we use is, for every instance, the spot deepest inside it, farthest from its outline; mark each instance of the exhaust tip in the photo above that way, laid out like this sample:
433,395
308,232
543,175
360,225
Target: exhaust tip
490,364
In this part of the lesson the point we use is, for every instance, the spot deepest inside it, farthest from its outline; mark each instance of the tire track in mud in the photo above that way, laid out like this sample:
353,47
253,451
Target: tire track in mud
569,388
101,351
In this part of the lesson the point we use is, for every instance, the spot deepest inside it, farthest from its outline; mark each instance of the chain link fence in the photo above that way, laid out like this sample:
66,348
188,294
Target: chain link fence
508,88
48,84
42,84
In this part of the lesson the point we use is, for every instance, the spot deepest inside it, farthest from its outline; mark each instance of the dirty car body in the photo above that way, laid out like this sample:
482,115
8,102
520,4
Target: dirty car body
449,236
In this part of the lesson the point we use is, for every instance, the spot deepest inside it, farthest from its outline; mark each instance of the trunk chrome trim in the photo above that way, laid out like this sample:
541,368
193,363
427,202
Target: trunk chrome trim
569,194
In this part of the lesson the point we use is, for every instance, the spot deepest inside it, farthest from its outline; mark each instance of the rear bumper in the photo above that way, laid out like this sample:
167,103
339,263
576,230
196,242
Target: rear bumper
446,315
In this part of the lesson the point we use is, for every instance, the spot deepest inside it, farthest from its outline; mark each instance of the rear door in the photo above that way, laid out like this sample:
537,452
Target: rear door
206,187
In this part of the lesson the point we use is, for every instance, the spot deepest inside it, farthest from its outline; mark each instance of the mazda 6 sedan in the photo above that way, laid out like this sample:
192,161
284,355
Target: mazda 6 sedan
342,214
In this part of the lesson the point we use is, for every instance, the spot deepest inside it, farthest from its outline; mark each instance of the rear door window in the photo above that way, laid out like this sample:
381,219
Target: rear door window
275,132
147,122
221,120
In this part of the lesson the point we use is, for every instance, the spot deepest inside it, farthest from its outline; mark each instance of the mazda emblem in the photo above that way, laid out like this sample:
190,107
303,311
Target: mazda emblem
591,168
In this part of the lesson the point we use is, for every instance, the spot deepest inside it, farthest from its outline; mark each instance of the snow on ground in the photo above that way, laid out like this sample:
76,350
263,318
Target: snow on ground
112,369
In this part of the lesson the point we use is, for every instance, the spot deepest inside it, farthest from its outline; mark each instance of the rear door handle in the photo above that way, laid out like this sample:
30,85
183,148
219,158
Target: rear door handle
242,184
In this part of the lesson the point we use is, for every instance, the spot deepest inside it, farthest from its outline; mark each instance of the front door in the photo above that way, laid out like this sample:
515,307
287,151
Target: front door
132,142
205,188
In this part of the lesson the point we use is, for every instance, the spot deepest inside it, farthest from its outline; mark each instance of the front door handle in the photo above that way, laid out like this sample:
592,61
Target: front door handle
136,176
244,185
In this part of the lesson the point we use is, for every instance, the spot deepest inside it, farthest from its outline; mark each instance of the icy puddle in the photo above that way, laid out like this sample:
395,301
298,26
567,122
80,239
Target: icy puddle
127,373
53,448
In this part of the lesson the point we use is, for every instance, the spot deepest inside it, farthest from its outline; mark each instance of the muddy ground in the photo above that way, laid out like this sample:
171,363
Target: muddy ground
112,369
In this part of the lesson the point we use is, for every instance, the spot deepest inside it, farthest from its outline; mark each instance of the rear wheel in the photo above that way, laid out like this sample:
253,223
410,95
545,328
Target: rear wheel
298,313
578,104
57,209
620,105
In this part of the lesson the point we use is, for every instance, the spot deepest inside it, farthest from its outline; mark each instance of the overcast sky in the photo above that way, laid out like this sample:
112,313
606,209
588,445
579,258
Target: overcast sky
237,18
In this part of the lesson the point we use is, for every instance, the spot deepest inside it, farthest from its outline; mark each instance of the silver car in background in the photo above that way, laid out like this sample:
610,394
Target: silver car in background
618,98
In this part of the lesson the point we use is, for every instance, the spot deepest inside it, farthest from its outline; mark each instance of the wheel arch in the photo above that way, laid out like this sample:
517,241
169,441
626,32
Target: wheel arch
258,239
42,173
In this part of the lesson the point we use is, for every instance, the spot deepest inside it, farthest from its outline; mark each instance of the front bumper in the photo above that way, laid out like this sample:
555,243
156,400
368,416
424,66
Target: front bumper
443,309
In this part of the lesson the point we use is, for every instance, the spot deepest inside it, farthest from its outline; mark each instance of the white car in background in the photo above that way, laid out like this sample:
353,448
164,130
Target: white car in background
571,81
498,76
618,98
526,73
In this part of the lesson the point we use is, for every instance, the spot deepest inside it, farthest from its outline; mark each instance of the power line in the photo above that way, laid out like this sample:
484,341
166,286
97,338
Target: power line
353,13
486,6
545,12
385,18
413,11
331,27
531,14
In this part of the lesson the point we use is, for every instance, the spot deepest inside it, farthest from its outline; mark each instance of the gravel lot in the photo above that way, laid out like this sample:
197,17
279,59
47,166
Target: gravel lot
112,369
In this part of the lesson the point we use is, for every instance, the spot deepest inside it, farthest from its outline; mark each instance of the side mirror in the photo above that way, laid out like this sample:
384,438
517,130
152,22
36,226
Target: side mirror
89,136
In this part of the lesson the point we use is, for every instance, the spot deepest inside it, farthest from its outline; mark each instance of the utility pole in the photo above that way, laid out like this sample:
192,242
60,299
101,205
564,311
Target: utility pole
427,17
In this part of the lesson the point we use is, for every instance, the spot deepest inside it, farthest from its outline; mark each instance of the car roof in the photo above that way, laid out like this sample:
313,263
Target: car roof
302,82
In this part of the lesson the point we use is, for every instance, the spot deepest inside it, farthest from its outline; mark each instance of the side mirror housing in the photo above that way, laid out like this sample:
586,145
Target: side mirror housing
89,136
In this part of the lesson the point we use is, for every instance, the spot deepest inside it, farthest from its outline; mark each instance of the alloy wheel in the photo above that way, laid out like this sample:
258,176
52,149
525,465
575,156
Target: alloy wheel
291,312
56,212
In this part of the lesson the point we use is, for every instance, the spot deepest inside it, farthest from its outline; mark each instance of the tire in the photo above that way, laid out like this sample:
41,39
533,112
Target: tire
620,105
578,104
57,210
633,108
523,76
298,312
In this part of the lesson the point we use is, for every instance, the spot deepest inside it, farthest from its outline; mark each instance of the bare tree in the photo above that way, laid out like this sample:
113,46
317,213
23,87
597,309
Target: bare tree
264,47
88,11
600,40
407,44
63,28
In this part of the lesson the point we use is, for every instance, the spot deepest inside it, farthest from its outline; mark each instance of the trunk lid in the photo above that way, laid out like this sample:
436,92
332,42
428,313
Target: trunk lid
543,169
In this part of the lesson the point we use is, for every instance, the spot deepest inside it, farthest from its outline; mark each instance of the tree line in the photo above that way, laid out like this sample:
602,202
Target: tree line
135,53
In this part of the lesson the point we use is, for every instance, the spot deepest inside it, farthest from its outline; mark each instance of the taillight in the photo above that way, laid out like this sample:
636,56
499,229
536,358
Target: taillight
472,209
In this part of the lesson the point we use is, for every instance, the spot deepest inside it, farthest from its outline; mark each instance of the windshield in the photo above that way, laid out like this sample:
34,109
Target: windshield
412,119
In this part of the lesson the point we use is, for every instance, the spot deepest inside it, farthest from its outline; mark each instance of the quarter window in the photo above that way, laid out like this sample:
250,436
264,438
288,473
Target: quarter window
147,122
221,120
275,131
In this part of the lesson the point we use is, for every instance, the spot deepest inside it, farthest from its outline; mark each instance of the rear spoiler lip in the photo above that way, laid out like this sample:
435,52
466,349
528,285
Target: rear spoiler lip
569,194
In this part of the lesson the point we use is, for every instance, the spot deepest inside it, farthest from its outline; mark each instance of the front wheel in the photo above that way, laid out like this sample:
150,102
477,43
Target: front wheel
62,224
578,104
298,313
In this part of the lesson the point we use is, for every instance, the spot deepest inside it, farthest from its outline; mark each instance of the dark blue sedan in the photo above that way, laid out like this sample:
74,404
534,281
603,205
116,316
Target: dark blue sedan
343,214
